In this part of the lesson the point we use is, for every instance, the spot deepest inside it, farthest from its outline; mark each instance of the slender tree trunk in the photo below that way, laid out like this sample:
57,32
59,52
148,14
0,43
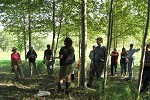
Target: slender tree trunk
60,21
25,38
29,23
84,41
109,38
143,48
54,31
79,60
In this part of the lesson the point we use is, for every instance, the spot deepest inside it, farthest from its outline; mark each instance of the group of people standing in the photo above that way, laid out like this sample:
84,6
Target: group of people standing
66,56
98,60
127,60
16,63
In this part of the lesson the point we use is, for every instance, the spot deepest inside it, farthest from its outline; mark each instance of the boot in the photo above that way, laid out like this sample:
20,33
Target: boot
67,87
72,77
59,87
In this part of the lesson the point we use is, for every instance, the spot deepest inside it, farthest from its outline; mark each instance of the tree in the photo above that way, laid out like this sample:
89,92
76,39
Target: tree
143,47
84,41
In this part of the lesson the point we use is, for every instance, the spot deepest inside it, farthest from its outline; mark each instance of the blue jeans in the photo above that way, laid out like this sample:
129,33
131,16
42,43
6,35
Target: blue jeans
123,67
130,68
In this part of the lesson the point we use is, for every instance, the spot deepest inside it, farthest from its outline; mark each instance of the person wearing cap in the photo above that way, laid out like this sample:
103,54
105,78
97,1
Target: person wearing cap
131,58
16,64
146,71
99,60
91,56
114,61
32,55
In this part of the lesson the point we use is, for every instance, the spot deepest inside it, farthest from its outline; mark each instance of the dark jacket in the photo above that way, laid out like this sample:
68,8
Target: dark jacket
31,55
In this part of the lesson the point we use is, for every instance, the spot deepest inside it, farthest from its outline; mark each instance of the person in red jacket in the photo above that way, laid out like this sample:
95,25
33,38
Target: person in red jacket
114,61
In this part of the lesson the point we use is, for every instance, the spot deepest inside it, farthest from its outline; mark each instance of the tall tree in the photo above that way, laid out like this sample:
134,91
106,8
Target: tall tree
84,41
109,37
143,47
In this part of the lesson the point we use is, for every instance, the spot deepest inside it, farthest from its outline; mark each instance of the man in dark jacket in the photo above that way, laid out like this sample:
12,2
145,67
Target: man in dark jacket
146,71
32,55
48,59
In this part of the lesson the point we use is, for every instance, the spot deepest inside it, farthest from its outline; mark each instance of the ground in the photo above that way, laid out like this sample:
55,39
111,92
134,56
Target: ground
117,87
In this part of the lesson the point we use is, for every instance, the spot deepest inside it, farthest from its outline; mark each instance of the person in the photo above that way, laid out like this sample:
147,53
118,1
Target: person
123,62
16,64
114,61
67,58
91,56
131,59
48,59
146,71
99,61
32,55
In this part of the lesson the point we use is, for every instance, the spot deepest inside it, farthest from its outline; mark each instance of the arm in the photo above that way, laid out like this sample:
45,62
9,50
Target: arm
136,50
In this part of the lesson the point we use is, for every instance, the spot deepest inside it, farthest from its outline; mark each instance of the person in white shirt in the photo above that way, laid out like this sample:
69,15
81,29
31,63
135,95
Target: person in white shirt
131,58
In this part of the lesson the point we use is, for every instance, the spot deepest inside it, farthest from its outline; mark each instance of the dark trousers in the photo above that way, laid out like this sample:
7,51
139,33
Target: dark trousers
97,68
113,66
92,65
31,65
145,79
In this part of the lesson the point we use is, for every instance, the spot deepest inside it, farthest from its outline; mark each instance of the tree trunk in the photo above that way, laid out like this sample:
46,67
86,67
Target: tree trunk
29,23
53,41
84,41
109,38
143,48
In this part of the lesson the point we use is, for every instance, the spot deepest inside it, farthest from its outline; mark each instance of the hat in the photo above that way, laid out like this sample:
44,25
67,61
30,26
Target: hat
14,48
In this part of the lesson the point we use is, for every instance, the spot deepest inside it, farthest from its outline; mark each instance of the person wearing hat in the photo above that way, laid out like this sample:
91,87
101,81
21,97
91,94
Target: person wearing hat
99,61
91,56
146,71
131,58
16,64
32,55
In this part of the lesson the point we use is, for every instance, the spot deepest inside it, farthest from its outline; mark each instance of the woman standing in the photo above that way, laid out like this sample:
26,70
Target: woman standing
67,58
123,62
16,64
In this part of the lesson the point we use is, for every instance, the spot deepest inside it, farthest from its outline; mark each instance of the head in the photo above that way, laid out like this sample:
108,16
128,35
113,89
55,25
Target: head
31,48
14,49
68,42
123,49
148,47
48,46
115,49
99,40
94,46
131,46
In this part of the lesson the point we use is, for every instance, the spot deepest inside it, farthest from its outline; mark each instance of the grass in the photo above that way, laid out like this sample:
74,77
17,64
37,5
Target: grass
117,88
